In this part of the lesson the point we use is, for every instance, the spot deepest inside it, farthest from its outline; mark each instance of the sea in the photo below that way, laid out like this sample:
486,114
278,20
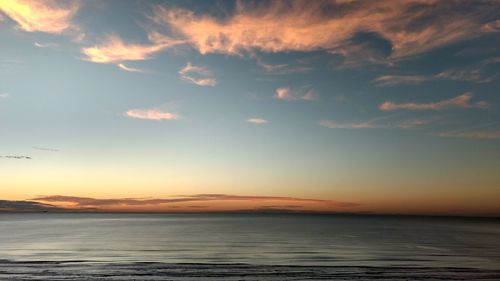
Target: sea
95,246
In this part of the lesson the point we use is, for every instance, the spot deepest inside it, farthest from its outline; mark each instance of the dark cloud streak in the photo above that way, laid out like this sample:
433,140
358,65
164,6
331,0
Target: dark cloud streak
18,157
26,206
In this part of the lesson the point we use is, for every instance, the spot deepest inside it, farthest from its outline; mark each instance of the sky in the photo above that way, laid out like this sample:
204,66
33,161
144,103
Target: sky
343,106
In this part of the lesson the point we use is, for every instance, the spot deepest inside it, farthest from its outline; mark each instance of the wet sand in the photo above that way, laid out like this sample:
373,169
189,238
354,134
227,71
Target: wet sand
138,271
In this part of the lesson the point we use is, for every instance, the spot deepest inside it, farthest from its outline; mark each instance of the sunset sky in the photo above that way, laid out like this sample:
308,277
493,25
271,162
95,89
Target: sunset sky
332,106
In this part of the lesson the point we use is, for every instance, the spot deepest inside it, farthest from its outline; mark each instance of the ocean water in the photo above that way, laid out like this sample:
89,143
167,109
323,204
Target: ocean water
270,239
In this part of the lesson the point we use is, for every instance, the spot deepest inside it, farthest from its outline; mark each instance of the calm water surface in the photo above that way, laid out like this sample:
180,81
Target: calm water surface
252,239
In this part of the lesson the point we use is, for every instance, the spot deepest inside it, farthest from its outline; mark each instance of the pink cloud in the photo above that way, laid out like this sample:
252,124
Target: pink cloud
151,114
257,121
284,93
189,71
386,122
462,101
473,73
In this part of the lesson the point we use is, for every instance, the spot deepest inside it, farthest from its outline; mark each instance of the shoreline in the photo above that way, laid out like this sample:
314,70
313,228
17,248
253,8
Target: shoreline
139,271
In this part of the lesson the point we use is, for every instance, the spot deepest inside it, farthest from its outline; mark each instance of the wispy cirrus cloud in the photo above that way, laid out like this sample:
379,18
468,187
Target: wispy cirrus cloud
475,134
87,202
462,101
393,80
411,27
197,75
257,121
386,122
45,45
285,93
11,66
480,132
283,69
474,73
114,50
151,114
128,68
49,16
45,149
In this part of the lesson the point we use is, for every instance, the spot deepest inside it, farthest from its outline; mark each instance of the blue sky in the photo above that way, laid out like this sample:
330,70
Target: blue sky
392,105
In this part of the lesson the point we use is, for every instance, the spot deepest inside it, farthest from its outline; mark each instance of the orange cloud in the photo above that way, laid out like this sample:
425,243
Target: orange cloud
411,27
151,114
257,121
462,101
115,50
73,202
187,74
40,15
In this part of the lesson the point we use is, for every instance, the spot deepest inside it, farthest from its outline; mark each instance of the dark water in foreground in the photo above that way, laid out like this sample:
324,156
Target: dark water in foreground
306,240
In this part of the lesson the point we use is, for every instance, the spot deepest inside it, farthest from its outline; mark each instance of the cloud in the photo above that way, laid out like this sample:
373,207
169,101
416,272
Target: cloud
462,101
128,69
386,122
4,95
45,45
151,114
115,50
482,131
287,94
189,72
310,96
474,73
466,75
18,157
283,94
25,206
11,66
410,27
493,26
363,50
48,16
45,149
469,74
257,121
471,134
87,202
282,69
392,80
